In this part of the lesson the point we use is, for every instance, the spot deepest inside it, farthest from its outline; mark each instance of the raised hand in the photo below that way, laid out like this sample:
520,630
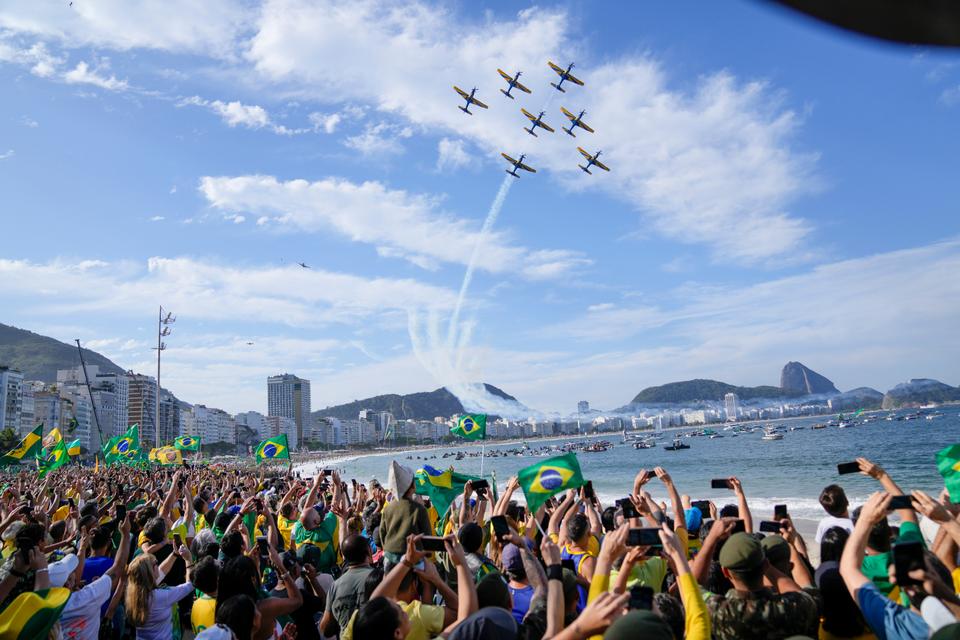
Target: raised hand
615,543
600,614
736,485
413,555
550,552
930,507
875,508
871,469
662,475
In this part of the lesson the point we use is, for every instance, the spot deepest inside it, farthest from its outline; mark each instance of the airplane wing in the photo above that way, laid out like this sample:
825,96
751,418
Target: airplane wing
546,126
522,88
555,68
479,104
529,115
585,154
568,114
585,126
575,80
525,167
509,159
601,165
461,92
503,74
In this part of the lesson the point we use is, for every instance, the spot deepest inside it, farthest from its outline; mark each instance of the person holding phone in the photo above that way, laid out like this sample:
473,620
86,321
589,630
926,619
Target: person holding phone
887,618
834,501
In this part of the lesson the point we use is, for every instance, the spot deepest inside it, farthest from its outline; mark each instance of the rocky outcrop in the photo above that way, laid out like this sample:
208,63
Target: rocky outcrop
860,398
918,392
798,380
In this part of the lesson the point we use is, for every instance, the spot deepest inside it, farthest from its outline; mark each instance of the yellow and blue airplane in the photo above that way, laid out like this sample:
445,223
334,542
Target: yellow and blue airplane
591,161
511,83
564,75
575,121
470,100
537,122
518,164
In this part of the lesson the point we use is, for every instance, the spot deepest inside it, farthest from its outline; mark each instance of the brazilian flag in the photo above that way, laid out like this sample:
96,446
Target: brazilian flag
274,448
471,427
167,455
32,614
74,448
54,459
121,447
948,463
28,447
544,479
187,443
52,438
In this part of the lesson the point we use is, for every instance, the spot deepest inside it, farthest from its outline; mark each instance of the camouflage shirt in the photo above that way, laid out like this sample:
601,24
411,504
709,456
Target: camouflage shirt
763,615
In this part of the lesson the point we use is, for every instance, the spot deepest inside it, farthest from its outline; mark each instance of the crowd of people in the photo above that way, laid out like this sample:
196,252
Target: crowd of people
223,553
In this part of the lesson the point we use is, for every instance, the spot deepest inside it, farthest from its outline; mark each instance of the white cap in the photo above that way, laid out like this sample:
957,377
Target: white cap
60,570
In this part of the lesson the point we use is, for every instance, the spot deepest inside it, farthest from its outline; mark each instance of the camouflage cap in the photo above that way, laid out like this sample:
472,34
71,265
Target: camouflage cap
776,549
639,624
741,552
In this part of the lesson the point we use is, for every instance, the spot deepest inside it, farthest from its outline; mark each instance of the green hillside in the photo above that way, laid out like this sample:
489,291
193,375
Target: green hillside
38,357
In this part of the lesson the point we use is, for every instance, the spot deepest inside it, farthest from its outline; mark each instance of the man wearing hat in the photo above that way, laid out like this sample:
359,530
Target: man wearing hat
400,517
751,611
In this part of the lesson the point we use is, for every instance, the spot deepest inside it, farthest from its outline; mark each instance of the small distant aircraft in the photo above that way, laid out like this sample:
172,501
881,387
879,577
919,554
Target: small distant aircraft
304,265
537,122
470,100
518,164
564,75
249,343
511,83
575,121
591,161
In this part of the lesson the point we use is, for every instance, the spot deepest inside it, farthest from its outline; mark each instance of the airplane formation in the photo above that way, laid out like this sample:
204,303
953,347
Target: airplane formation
536,121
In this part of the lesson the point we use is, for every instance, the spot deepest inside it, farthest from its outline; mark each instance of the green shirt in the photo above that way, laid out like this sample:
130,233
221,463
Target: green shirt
322,537
875,566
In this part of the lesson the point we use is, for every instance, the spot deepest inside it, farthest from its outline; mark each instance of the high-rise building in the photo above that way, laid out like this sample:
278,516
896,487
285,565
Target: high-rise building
11,398
169,417
289,397
583,407
731,405
142,405
255,421
113,389
27,411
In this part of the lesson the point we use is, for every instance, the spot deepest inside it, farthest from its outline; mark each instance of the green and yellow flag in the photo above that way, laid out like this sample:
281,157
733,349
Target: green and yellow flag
52,438
32,614
948,463
471,427
74,448
27,449
120,448
442,487
187,443
274,448
54,459
544,479
168,455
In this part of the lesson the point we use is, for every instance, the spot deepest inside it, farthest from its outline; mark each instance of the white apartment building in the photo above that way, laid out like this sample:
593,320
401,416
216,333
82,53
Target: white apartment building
255,421
11,398
289,396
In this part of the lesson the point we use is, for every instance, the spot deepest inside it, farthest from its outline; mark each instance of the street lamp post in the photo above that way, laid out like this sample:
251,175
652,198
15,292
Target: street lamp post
163,330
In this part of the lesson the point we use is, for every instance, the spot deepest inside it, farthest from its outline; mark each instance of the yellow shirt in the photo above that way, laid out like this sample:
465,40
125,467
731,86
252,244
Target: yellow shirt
202,615
61,513
286,527
426,621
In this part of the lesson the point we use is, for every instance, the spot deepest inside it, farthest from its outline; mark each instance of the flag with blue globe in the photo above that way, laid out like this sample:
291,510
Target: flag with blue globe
542,480
274,448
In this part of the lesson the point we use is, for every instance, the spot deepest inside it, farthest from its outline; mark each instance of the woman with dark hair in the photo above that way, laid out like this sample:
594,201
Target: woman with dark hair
381,619
841,617
239,613
240,576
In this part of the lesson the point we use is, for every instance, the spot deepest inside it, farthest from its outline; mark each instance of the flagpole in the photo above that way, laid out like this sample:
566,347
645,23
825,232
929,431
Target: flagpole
483,447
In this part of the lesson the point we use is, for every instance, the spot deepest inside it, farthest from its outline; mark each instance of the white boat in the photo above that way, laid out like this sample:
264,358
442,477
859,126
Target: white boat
844,425
769,434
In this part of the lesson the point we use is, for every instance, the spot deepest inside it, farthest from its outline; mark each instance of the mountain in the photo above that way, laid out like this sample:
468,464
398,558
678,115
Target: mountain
859,398
798,380
918,392
414,406
38,357
698,390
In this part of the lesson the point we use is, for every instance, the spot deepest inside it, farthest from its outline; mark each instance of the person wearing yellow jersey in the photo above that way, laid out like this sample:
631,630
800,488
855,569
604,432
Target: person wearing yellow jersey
285,521
206,573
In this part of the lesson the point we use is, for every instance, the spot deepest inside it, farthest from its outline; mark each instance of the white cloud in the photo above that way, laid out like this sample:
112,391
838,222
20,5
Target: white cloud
29,122
326,122
9,153
950,96
709,165
40,61
182,26
379,139
278,295
398,223
452,155
236,114
157,218
83,74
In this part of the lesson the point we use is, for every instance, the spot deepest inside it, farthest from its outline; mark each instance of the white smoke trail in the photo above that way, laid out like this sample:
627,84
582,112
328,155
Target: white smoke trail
491,218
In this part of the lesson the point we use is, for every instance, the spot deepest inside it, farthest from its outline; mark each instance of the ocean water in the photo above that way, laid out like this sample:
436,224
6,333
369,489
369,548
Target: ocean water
791,471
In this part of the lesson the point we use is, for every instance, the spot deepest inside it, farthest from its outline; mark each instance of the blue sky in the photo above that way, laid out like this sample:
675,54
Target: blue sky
779,191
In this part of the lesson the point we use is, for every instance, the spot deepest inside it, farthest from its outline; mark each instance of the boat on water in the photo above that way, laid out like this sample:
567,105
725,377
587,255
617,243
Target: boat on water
819,425
770,434
844,425
796,428
643,444
715,436
676,446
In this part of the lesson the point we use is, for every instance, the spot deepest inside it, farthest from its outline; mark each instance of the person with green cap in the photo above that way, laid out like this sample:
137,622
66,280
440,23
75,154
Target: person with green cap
751,611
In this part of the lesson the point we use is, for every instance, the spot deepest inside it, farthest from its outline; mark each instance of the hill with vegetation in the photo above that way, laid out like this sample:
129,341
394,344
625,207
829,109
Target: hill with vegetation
701,390
918,392
38,357
414,406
